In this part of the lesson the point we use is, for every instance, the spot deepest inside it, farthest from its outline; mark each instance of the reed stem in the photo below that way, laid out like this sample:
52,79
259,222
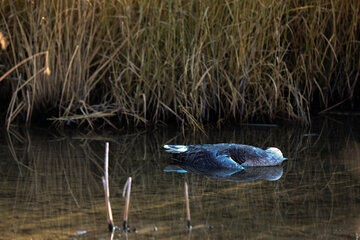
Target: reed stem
105,180
187,206
127,188
46,70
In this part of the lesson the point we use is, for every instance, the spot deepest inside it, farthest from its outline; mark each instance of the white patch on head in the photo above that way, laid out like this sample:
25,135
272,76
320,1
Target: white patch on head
276,151
176,148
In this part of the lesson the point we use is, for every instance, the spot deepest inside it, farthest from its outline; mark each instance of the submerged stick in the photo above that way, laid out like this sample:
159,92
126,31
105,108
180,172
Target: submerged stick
105,180
187,206
127,188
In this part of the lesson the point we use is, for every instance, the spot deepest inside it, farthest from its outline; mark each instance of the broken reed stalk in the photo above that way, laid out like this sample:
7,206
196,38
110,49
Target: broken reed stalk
127,188
187,206
105,180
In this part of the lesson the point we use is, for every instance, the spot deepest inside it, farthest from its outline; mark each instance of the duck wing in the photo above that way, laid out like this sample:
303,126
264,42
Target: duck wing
244,154
205,157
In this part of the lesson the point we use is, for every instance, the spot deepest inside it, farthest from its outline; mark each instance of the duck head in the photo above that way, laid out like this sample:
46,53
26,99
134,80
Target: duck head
275,155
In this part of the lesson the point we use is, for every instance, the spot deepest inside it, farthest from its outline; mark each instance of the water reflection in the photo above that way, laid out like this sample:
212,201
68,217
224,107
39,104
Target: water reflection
51,185
249,174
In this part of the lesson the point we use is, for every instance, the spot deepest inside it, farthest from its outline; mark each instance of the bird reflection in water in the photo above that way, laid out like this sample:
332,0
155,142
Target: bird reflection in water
248,174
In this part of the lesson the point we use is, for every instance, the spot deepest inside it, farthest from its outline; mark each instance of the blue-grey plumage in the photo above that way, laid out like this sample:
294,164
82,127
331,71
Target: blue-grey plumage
225,155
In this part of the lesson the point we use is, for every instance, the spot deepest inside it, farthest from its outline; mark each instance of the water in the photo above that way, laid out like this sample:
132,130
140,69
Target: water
50,185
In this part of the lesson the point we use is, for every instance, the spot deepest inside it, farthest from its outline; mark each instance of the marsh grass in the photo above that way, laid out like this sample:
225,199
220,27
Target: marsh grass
125,62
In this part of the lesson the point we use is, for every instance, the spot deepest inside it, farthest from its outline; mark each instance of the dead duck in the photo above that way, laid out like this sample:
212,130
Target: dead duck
225,155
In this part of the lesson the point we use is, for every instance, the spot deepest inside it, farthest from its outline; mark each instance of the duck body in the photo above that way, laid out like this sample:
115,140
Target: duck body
225,155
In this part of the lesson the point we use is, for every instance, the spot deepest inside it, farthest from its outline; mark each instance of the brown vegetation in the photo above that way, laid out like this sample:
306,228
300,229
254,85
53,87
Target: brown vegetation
121,62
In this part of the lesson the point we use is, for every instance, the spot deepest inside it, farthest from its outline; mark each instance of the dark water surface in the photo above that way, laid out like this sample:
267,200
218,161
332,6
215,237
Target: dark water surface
51,188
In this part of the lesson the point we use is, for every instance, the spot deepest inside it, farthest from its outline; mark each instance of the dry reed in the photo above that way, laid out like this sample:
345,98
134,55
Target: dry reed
188,217
124,62
127,188
105,181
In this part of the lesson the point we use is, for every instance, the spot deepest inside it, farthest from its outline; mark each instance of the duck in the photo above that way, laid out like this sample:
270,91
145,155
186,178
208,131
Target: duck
225,155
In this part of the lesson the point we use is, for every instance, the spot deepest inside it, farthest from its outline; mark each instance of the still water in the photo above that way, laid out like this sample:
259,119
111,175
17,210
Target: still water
51,188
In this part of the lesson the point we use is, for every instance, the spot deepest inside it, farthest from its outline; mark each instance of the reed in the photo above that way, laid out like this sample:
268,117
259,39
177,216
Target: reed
188,218
124,62
105,180
127,188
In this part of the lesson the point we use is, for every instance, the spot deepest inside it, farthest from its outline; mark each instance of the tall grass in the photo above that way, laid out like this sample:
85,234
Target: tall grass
139,62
